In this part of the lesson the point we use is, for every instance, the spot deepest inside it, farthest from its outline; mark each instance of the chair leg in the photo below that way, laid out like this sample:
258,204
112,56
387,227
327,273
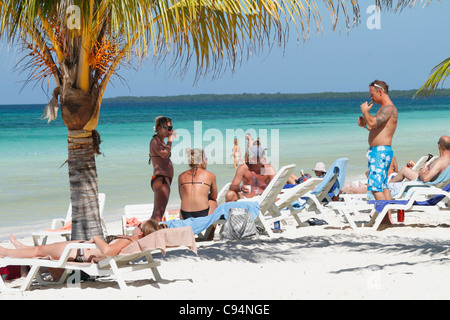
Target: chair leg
154,267
29,279
115,270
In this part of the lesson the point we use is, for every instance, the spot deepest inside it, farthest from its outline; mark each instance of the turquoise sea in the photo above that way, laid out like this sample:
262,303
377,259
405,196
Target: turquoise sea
35,188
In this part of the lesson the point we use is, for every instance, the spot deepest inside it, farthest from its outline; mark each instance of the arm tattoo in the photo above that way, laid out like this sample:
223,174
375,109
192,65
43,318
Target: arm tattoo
384,114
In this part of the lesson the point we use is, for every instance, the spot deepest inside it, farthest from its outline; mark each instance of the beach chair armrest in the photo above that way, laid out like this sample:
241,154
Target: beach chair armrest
424,191
57,223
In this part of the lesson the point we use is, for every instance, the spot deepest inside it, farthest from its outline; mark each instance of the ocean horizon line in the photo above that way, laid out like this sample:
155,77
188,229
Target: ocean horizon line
257,96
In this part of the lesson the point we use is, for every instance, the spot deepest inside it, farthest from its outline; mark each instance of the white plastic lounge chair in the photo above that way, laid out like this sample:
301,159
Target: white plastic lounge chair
141,212
222,193
268,210
413,201
314,202
59,223
291,195
123,262
404,187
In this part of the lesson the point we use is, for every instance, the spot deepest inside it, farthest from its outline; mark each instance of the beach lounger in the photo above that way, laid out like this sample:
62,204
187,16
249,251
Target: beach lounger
291,195
269,212
222,193
137,213
262,208
413,201
134,214
314,202
110,266
63,227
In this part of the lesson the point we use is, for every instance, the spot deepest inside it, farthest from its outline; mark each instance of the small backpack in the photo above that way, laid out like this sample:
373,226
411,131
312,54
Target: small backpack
239,226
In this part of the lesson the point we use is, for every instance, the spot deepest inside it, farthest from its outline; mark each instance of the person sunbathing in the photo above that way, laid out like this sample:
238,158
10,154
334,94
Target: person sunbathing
197,187
431,172
111,246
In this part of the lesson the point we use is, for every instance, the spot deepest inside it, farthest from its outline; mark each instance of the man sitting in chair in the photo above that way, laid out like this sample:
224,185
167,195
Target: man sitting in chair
255,175
432,172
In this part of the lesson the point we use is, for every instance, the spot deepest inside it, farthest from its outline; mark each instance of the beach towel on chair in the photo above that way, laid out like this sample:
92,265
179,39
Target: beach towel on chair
222,211
240,225
380,204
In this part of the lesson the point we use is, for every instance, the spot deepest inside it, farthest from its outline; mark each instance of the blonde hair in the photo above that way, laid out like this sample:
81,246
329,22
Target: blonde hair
160,121
196,157
151,226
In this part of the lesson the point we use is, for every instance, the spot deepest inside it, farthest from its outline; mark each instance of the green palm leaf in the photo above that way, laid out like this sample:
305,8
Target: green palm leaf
438,76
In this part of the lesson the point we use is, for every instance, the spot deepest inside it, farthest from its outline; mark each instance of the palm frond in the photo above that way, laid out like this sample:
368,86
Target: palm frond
438,76
212,34
401,4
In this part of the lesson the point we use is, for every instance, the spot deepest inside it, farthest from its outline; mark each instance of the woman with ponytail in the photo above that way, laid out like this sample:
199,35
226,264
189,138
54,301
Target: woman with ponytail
197,187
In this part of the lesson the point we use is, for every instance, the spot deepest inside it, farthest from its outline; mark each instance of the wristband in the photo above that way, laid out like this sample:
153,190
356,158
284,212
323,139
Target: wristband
366,126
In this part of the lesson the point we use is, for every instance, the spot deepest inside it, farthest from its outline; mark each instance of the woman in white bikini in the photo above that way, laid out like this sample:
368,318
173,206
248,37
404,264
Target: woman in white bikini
236,154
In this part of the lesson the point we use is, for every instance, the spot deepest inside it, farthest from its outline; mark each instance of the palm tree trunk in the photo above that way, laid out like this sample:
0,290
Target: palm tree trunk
77,109
83,186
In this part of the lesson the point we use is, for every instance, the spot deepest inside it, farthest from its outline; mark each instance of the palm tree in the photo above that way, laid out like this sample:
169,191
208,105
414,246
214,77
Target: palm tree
80,44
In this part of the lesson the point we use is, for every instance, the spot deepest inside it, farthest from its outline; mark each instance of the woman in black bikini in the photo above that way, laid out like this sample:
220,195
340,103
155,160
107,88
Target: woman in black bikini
197,187
111,246
162,166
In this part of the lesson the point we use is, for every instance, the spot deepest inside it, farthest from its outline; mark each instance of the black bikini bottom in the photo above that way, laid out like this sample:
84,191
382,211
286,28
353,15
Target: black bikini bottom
194,214
159,176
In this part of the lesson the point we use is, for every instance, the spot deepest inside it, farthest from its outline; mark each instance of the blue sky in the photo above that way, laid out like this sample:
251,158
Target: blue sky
402,53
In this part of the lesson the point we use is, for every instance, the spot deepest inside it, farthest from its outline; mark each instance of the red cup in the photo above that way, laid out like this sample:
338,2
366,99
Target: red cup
410,164
401,215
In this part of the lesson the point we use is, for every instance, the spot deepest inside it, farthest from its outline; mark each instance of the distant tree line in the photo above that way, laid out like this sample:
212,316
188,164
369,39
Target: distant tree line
268,96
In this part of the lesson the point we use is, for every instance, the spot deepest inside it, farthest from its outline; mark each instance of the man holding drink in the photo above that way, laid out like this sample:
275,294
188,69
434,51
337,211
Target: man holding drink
255,174
381,128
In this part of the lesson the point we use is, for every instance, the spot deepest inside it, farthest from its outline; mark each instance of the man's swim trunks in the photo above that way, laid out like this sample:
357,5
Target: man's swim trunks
380,158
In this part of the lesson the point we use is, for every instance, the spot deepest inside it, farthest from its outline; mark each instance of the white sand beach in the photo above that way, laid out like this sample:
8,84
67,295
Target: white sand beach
409,261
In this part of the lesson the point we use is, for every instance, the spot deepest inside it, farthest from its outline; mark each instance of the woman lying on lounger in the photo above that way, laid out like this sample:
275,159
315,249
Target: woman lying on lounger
111,246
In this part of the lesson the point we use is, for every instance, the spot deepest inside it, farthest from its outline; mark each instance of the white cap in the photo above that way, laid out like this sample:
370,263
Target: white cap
320,166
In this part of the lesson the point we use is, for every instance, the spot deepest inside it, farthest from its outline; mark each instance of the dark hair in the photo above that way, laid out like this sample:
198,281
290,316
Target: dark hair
378,84
160,121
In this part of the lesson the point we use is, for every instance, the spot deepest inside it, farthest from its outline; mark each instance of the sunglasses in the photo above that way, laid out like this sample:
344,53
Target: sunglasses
169,128
378,86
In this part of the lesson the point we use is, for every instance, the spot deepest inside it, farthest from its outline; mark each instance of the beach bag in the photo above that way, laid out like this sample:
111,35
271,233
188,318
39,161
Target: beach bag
11,272
239,226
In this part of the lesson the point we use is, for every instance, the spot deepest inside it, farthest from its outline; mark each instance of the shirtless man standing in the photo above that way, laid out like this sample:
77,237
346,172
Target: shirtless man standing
382,128
254,174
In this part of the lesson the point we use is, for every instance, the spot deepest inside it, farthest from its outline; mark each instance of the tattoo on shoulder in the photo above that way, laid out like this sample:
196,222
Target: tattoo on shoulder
385,113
